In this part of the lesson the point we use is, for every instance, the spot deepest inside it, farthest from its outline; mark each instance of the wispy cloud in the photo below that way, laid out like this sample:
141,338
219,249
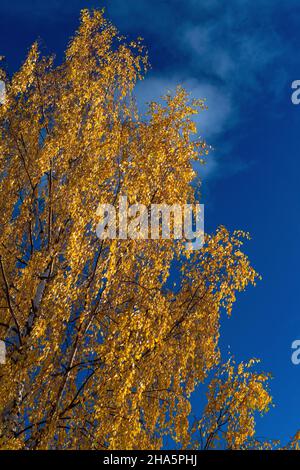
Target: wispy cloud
210,122
227,52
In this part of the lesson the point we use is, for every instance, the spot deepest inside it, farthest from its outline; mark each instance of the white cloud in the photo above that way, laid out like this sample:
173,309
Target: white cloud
219,116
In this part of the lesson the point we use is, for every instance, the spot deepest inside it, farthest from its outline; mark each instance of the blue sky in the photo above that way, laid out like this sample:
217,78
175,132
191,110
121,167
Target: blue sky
242,56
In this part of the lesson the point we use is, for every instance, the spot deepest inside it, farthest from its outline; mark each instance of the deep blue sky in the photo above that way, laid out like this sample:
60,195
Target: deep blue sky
242,56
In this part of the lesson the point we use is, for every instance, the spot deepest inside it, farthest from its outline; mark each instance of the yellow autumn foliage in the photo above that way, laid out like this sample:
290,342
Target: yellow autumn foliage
100,353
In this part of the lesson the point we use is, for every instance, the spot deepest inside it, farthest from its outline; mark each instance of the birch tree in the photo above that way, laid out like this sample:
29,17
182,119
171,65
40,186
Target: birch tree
103,351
